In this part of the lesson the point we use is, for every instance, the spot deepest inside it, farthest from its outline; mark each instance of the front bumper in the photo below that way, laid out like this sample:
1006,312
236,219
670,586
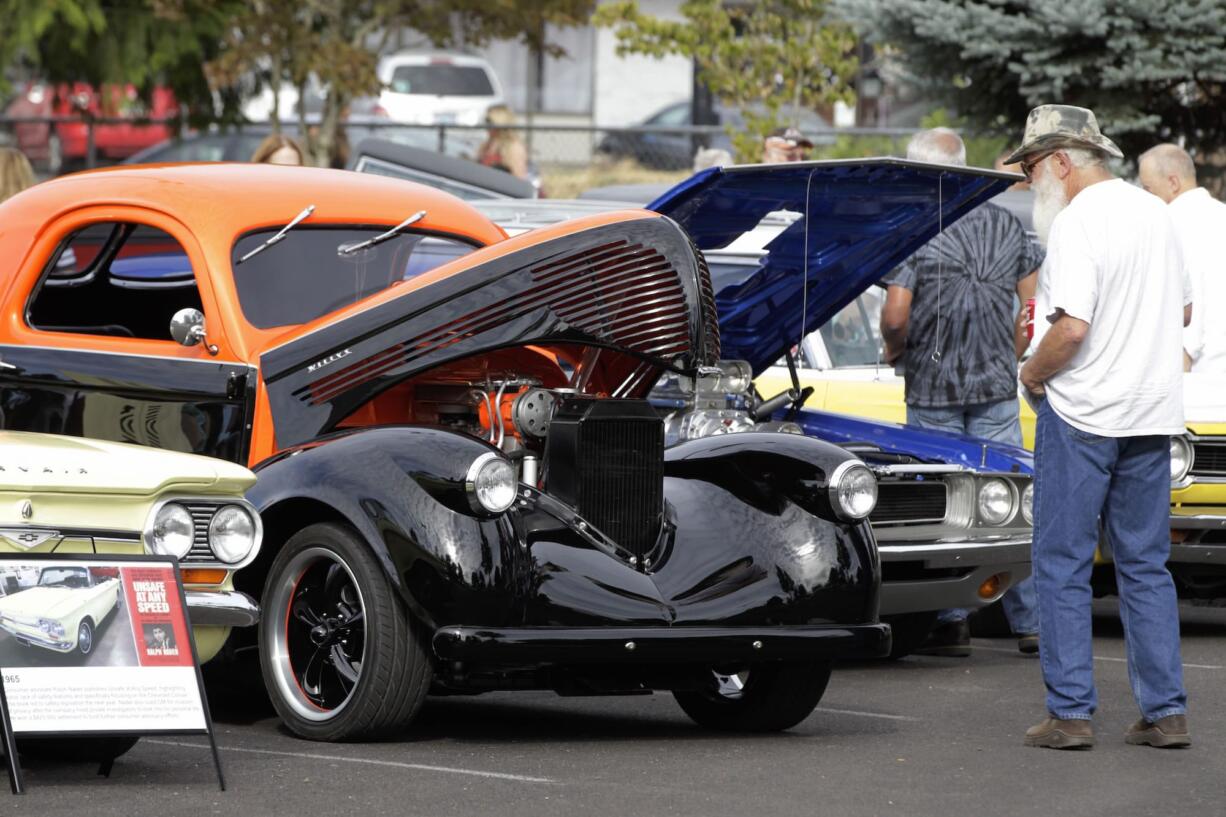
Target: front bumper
540,646
918,578
221,608
37,638
1194,549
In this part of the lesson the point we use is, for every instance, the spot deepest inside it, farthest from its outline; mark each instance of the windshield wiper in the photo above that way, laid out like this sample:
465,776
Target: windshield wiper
350,249
298,219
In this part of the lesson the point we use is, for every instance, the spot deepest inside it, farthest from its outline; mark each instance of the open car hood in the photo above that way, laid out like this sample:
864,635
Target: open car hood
864,217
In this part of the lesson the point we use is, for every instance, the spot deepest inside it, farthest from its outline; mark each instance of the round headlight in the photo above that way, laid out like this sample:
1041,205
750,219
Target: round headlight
996,502
1181,458
232,534
853,490
172,531
491,483
1028,504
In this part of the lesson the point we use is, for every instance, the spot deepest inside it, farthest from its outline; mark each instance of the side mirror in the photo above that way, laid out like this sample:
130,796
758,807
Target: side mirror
187,328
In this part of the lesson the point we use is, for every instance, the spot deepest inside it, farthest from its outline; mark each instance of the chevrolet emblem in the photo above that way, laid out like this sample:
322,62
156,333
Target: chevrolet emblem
26,537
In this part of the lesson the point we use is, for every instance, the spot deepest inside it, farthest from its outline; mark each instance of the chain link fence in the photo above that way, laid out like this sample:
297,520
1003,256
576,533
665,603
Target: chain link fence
565,159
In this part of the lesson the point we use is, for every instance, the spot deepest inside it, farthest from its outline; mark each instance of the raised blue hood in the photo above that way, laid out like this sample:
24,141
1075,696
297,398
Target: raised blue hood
864,217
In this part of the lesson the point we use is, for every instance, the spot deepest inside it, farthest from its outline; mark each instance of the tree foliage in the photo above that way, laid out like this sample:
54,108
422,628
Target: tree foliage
141,42
1151,70
771,58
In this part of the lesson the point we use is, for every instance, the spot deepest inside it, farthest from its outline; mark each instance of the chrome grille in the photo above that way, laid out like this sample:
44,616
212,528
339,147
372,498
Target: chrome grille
910,503
1209,458
202,515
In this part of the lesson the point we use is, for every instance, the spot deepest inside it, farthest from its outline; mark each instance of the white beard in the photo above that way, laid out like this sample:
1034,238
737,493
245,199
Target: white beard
1049,200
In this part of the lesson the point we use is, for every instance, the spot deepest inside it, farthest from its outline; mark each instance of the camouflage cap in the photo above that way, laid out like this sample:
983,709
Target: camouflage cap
1051,127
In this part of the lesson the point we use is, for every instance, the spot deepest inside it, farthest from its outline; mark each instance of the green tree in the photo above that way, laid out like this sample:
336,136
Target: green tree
1152,70
338,42
770,58
142,42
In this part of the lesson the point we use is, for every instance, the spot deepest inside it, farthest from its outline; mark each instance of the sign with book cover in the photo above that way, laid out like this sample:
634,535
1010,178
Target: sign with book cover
96,645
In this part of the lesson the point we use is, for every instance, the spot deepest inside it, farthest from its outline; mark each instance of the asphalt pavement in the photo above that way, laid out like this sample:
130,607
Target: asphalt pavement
923,736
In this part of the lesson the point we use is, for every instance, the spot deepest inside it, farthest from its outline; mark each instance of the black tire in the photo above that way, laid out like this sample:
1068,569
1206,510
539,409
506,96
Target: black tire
75,750
322,685
85,637
773,697
909,631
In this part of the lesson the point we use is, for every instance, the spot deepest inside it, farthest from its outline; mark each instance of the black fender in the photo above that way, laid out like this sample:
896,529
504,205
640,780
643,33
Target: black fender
402,489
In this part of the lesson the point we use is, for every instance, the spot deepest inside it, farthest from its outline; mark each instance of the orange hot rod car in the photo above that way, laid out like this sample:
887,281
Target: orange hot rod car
462,484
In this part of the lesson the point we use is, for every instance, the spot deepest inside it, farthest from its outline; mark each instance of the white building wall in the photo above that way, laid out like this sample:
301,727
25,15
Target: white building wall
630,88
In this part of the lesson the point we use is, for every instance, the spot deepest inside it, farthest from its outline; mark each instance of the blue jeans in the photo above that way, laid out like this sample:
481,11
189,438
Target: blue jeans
998,422
1125,480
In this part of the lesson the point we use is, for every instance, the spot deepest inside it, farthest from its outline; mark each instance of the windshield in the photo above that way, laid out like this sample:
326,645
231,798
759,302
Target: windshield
63,577
851,336
440,79
304,277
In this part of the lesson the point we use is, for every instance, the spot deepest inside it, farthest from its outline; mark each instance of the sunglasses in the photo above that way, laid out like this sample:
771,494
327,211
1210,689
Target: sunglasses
1029,165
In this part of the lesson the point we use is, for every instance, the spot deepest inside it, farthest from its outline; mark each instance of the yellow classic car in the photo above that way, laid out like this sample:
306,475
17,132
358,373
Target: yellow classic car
71,495
842,363
62,611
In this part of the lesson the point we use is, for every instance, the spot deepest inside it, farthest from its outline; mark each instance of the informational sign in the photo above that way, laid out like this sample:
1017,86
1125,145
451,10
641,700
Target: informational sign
94,645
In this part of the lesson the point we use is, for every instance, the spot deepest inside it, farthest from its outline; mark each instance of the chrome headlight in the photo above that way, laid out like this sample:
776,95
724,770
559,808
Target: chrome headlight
52,628
1028,504
997,502
1181,458
491,483
853,490
172,531
233,533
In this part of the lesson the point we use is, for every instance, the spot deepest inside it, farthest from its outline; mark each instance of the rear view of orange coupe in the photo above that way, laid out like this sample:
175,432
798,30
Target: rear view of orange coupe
462,484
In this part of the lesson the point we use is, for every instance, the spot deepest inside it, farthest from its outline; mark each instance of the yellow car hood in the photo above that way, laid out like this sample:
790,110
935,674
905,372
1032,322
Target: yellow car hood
48,463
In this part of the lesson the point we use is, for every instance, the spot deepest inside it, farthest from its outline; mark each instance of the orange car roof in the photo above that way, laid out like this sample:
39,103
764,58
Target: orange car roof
218,201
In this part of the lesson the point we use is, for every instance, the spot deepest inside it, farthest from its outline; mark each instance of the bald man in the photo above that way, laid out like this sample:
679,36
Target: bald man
1167,171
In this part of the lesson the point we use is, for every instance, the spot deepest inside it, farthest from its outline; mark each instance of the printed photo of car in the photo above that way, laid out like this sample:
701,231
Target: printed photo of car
63,612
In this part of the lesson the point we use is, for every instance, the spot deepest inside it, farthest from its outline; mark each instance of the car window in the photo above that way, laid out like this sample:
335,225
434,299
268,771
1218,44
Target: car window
851,337
115,278
468,192
304,277
72,577
672,116
441,79
203,149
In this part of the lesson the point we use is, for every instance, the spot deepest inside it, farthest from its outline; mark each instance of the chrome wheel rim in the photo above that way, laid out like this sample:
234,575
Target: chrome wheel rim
317,616
85,638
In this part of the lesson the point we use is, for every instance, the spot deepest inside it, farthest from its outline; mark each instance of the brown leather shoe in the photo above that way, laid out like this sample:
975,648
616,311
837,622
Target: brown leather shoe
1054,733
1170,732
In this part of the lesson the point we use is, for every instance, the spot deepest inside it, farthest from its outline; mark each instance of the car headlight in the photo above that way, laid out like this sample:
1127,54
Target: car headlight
172,531
491,483
1028,504
233,533
1181,458
853,490
51,628
996,502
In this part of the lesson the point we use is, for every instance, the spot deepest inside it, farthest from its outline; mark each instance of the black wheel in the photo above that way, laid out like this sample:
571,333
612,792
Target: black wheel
761,698
338,652
75,750
909,631
85,637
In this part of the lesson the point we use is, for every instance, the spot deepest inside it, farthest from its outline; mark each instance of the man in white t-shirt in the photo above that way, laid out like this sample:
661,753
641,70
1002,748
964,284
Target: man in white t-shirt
1106,376
1167,171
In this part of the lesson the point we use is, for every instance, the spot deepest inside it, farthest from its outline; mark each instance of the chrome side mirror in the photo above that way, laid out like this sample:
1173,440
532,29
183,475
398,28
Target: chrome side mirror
187,328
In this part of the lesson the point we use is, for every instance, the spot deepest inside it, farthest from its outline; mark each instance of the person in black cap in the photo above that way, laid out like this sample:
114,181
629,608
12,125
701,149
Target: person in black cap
786,145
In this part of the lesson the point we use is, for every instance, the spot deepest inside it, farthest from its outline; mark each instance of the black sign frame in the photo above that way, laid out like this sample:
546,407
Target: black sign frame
9,736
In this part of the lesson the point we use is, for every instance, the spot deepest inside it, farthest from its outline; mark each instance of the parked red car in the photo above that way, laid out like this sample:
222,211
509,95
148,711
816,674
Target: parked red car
66,143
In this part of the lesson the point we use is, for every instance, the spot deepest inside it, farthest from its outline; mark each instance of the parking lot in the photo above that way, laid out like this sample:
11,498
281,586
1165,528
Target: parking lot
925,736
